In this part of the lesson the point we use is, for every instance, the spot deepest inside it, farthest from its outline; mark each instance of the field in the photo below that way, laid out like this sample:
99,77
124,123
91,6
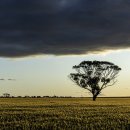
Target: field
64,114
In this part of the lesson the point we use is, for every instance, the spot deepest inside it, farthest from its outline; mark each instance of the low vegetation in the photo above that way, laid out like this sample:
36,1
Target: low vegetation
64,114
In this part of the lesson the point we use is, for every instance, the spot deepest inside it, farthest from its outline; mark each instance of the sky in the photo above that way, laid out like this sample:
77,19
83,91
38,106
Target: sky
41,40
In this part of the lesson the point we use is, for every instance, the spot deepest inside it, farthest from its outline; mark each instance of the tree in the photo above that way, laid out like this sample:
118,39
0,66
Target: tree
6,95
95,76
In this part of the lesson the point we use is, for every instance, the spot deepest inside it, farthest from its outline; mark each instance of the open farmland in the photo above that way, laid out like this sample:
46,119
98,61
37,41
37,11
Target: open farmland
64,113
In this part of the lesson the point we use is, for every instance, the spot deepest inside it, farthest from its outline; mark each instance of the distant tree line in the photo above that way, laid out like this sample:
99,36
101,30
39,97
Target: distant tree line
7,95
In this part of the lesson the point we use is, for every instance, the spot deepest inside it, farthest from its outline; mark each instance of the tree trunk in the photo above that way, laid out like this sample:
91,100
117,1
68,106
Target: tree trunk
95,94
94,97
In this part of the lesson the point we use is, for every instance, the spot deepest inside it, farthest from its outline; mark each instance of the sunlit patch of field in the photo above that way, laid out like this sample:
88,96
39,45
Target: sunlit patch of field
64,113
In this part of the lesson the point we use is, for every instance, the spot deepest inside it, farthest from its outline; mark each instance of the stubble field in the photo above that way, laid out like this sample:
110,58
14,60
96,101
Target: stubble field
64,114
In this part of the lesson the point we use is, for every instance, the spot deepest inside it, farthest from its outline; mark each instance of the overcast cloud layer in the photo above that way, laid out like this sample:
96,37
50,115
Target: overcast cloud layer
59,27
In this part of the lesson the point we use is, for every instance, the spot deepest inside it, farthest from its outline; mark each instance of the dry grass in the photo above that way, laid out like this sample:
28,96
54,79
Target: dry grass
64,113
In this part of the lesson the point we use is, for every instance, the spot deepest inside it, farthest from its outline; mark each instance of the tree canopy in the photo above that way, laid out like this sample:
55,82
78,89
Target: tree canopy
95,75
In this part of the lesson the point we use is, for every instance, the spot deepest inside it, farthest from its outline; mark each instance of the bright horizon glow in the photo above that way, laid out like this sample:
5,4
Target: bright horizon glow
47,75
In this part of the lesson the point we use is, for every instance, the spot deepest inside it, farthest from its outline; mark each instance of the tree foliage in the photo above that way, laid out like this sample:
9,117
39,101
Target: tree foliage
95,75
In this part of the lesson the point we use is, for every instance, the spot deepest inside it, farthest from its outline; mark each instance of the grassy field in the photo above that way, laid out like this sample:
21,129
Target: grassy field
64,114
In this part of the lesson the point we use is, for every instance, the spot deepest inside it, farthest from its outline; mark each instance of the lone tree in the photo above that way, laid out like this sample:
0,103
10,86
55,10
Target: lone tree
95,76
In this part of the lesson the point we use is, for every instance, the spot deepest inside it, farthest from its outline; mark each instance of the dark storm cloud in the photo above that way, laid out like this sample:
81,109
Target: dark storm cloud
29,27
